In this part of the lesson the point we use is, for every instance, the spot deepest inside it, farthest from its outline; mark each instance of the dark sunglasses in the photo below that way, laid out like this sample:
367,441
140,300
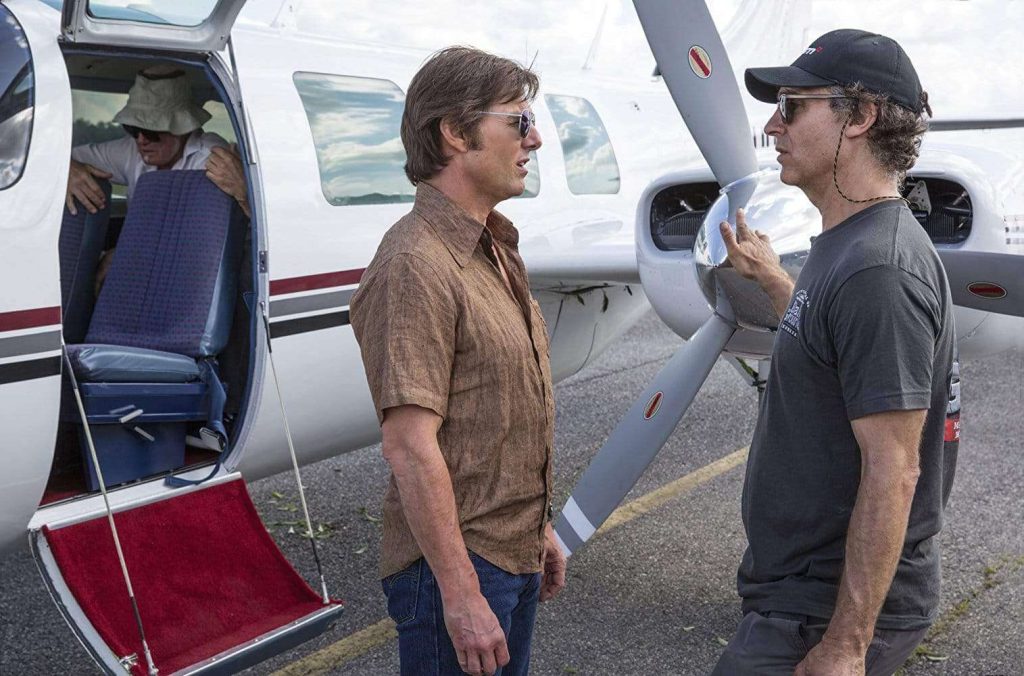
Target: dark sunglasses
151,136
527,120
787,103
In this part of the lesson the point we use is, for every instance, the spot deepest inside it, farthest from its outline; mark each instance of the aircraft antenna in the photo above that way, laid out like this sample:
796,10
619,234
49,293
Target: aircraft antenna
588,64
151,668
295,462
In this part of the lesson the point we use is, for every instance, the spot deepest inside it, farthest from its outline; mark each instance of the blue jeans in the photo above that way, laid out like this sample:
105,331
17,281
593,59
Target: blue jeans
424,646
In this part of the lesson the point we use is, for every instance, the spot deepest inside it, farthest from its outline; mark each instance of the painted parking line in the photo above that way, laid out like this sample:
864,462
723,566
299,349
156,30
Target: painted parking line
363,641
342,651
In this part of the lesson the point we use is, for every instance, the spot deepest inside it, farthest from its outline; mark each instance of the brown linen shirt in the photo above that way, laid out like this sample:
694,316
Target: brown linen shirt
438,328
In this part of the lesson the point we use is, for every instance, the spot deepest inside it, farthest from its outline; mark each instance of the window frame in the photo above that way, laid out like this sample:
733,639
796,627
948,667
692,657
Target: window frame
317,146
555,111
30,63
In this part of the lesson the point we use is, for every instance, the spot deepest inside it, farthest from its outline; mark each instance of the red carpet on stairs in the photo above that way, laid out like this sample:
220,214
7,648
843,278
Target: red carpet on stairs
206,574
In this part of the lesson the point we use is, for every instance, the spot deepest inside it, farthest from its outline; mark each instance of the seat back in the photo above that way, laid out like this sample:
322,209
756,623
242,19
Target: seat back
80,244
172,283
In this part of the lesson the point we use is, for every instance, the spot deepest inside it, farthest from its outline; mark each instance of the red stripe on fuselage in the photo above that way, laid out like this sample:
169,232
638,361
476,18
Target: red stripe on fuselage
29,319
325,280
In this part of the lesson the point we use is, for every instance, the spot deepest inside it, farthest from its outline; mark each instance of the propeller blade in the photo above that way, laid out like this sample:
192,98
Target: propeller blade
696,69
993,282
639,436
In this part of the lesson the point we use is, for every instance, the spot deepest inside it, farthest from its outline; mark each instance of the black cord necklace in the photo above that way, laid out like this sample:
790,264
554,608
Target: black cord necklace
835,171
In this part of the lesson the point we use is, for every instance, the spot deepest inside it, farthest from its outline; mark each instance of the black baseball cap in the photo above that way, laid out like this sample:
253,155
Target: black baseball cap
844,57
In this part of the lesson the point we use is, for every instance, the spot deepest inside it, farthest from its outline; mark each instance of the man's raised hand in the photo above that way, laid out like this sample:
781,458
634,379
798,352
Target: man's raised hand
751,253
224,168
83,186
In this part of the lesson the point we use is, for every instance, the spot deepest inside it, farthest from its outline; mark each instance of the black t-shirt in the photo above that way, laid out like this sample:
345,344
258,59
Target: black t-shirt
869,329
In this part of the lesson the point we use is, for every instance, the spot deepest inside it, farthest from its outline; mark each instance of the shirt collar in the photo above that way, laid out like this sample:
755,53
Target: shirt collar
193,144
457,229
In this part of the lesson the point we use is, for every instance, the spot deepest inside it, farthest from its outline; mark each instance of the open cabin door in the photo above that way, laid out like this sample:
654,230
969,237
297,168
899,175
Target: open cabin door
202,26
214,593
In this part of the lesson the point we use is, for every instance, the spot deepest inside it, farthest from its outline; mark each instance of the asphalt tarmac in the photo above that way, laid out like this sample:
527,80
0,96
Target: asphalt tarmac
654,594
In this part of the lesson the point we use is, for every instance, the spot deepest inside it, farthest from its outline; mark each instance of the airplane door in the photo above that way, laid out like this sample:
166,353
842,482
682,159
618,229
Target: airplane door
160,24
35,143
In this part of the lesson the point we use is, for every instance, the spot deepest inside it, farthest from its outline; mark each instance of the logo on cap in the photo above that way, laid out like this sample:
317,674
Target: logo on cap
812,50
700,62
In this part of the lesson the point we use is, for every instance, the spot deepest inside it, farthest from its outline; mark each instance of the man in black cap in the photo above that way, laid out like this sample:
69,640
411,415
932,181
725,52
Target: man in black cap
850,465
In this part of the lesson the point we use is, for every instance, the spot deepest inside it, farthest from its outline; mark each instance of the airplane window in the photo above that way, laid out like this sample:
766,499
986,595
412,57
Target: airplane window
17,99
176,12
590,165
355,125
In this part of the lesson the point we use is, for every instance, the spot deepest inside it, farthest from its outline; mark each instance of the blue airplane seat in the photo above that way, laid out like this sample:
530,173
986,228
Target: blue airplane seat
81,241
163,315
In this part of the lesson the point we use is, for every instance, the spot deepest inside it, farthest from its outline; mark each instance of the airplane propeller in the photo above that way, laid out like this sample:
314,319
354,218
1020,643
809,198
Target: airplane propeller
992,282
695,66
696,69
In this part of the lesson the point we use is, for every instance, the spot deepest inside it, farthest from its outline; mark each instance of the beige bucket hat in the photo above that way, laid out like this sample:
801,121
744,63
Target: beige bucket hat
161,100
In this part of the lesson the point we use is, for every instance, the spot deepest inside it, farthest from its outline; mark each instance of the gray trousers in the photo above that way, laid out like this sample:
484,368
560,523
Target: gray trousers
774,643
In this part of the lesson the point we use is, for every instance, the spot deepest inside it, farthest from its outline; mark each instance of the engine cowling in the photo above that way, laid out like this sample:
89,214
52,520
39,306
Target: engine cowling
685,285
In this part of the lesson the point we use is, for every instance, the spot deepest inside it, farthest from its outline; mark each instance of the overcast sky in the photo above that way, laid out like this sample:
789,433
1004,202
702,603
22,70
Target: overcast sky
969,53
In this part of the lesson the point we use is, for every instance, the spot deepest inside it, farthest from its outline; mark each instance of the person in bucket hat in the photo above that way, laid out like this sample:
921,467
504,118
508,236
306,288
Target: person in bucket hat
852,459
163,127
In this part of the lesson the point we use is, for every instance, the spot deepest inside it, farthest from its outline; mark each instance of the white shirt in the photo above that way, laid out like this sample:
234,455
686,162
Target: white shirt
122,159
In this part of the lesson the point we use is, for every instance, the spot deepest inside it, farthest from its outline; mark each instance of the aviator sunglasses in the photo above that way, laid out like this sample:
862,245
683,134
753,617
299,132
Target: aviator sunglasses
526,120
151,136
787,104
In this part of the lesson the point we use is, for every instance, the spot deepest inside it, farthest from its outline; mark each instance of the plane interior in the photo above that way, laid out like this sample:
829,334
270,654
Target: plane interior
173,314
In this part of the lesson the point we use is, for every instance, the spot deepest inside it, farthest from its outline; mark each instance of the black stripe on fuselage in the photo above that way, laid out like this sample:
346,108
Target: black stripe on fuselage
307,324
303,304
29,370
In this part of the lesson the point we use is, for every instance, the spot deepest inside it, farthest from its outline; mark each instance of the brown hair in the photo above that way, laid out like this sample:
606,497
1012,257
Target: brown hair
895,137
456,83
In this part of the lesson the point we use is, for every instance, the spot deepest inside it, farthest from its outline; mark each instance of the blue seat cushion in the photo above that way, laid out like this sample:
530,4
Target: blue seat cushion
121,364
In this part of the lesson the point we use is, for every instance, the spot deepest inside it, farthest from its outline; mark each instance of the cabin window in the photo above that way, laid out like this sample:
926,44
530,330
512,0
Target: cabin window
165,12
17,99
590,166
355,124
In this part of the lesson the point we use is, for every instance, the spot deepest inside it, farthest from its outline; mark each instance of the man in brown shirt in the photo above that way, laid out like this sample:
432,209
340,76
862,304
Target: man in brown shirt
456,355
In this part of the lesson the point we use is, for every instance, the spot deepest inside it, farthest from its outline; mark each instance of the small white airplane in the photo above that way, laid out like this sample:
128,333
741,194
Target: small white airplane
609,221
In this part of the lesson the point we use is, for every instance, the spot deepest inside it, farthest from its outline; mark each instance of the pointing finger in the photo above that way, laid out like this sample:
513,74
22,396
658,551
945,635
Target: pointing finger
741,218
742,231
727,234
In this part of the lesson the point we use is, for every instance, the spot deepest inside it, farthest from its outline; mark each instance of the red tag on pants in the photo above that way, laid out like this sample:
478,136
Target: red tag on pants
952,428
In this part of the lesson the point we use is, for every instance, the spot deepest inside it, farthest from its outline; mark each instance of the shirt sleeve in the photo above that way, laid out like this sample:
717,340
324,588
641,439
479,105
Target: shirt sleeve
111,156
405,321
206,143
884,323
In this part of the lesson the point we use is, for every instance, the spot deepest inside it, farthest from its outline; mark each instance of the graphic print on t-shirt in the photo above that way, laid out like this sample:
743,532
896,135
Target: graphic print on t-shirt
791,322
